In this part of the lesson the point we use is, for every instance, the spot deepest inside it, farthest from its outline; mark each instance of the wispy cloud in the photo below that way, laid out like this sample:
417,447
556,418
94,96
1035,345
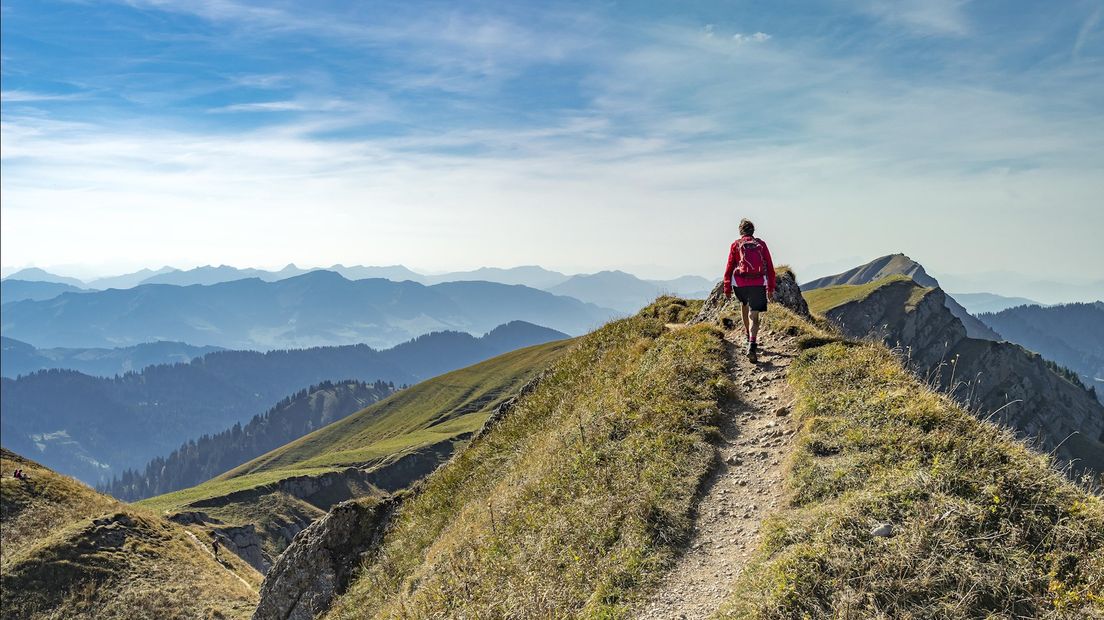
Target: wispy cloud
331,105
403,135
924,17
757,37
23,96
1085,31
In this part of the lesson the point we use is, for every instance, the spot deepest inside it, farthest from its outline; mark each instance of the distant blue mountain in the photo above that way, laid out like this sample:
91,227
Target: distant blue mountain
19,290
315,309
93,427
34,274
19,358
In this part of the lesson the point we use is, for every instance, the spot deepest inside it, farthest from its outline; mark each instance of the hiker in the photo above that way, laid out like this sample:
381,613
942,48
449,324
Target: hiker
749,275
215,546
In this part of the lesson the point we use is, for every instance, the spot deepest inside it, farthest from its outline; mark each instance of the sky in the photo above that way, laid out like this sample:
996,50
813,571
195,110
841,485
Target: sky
578,136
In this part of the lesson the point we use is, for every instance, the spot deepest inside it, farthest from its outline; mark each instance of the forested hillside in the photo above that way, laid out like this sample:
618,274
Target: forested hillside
93,428
1071,335
210,455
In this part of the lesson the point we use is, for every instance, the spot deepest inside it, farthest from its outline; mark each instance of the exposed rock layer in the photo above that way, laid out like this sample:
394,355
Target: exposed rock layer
322,559
999,379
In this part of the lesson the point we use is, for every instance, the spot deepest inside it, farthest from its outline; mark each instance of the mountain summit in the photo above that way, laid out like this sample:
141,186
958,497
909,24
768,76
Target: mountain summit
899,264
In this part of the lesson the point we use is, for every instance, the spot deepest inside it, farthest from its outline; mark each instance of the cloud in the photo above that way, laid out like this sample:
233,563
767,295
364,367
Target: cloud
654,119
23,96
757,37
923,17
1083,33
331,105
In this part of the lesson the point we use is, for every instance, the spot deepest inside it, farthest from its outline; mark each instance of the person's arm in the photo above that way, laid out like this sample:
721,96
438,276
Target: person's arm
770,269
729,268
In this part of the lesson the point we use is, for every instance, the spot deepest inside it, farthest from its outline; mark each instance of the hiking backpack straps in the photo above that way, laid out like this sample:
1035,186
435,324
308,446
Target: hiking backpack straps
752,262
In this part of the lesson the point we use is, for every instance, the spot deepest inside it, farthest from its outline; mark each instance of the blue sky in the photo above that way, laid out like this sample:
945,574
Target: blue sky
580,136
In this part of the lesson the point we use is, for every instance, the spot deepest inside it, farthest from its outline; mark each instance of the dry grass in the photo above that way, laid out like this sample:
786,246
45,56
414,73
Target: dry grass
576,501
984,527
70,552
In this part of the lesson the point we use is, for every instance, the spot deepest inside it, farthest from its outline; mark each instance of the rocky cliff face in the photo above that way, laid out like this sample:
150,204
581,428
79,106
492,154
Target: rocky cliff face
998,379
787,293
899,264
322,559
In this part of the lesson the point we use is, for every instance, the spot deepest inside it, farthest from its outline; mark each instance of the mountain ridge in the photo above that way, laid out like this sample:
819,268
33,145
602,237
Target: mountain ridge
1001,379
315,309
80,424
899,264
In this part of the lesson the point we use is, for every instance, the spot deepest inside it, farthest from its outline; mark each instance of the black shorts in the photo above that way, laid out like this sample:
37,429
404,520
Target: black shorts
753,296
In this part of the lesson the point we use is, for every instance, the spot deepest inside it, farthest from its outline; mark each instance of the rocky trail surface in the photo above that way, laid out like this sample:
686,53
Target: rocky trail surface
747,484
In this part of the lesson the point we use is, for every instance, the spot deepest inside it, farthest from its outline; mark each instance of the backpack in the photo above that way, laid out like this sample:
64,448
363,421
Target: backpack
752,262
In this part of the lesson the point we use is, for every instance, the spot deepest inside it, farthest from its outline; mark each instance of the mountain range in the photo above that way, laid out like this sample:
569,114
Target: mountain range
978,303
19,358
35,290
628,292
320,308
95,427
624,473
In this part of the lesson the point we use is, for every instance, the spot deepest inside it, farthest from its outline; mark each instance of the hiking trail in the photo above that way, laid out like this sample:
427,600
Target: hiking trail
198,543
745,486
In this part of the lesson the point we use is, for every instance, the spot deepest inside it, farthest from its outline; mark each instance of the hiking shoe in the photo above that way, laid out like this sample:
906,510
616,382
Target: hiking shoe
753,351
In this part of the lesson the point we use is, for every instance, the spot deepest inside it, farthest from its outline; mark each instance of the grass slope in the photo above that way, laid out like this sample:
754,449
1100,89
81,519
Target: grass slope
439,409
576,500
69,552
824,299
984,527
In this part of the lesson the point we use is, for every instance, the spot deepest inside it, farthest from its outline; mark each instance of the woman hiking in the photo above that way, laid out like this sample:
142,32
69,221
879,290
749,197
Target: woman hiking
749,275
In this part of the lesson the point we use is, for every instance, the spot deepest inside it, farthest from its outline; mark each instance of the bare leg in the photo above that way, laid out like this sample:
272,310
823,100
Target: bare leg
754,330
747,321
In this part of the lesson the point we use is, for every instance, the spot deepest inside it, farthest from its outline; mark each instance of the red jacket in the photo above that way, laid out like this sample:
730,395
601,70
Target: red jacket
734,260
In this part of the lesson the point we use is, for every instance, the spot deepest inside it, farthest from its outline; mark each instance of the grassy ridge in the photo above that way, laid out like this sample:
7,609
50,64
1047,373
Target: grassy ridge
69,552
432,411
984,527
576,500
824,299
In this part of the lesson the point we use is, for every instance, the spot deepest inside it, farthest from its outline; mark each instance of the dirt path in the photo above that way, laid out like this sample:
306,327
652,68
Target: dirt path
202,547
746,486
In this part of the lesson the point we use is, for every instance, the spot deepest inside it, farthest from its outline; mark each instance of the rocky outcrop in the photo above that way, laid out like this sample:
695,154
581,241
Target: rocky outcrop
997,380
243,541
787,294
321,560
899,264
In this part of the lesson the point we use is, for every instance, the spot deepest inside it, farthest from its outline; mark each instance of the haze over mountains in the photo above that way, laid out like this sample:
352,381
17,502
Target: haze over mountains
19,358
320,308
93,427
